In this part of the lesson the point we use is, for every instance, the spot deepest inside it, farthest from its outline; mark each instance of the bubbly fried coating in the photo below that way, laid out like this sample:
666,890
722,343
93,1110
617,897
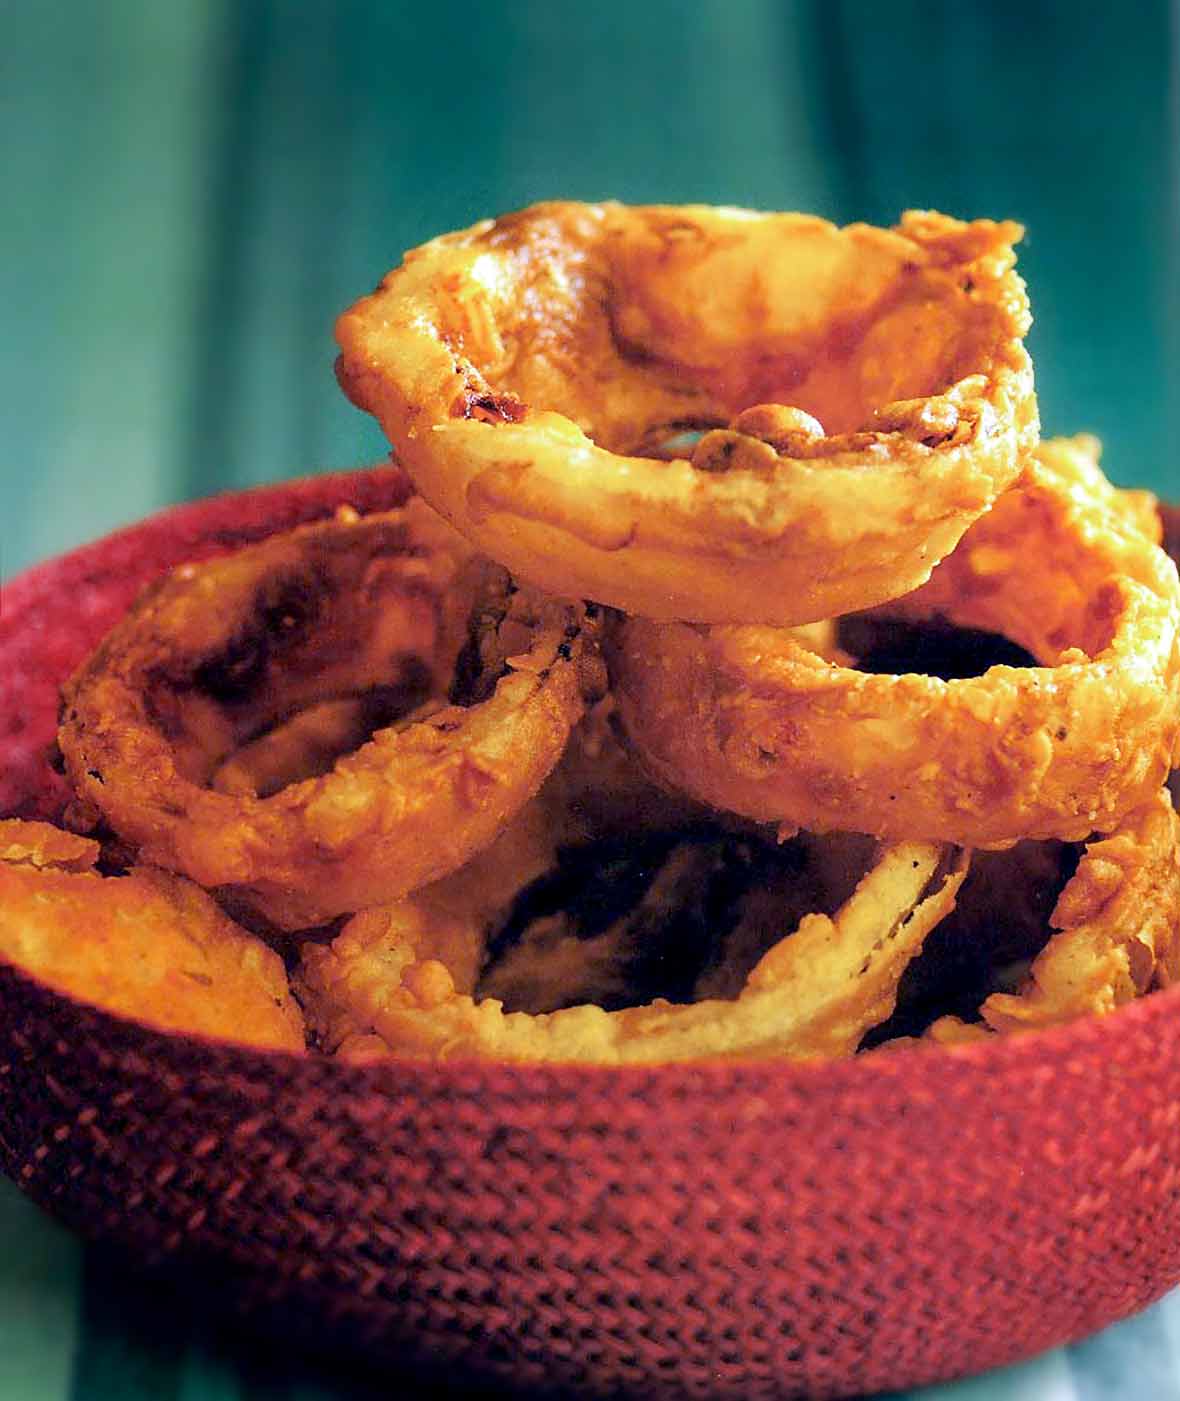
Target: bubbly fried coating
1116,927
42,846
218,652
1114,935
400,980
147,945
305,746
751,719
1079,458
868,392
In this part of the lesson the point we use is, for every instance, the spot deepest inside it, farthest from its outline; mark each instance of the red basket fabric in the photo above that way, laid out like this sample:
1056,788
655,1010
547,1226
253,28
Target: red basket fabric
744,1230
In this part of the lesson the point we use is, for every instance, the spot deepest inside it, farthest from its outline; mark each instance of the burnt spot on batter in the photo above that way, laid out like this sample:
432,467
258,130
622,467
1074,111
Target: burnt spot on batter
481,661
486,407
284,612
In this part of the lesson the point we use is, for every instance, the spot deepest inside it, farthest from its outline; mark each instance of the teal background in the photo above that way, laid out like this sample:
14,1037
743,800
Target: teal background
192,191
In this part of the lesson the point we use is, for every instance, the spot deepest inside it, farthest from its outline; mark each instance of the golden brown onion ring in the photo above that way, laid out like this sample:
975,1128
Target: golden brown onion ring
1116,933
215,652
1078,459
399,980
874,382
148,945
999,925
596,791
751,720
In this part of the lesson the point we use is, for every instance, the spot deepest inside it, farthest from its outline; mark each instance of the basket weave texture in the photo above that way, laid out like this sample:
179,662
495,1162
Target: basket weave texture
714,1230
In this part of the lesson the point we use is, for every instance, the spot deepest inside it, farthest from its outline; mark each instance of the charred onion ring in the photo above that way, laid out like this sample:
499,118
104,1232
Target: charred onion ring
148,945
217,652
752,720
872,387
399,980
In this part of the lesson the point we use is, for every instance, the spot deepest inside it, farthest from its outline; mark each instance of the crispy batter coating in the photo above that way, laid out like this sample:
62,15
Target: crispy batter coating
987,944
752,720
147,945
868,391
42,846
1079,458
596,792
1116,923
1114,934
217,652
304,746
400,980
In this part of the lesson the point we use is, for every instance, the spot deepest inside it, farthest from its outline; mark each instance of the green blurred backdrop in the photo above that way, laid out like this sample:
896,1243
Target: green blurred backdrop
195,189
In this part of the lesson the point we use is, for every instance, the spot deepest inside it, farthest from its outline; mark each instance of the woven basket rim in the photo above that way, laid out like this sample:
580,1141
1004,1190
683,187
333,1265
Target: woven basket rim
195,513
1000,1056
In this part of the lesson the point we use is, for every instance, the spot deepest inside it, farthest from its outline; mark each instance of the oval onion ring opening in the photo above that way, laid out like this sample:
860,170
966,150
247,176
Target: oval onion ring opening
750,719
215,652
399,981
871,387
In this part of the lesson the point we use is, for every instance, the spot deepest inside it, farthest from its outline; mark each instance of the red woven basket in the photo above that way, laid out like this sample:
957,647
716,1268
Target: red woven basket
741,1230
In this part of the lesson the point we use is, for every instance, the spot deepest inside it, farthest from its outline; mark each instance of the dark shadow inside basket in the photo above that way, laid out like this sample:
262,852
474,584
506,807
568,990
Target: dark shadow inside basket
714,1229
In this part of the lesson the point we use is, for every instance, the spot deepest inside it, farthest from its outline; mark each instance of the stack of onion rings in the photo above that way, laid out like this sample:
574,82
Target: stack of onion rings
763,437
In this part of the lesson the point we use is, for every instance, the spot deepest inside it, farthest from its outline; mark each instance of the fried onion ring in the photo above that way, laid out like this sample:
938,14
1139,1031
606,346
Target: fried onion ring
216,652
400,980
751,720
1116,933
872,387
148,945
